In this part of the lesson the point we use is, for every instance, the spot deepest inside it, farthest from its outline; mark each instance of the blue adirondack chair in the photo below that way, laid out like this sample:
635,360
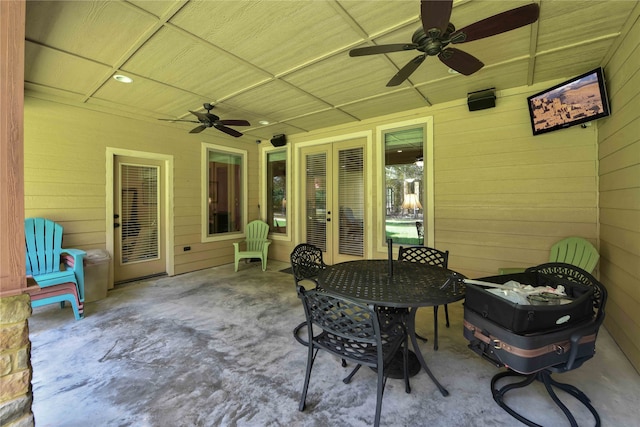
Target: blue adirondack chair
256,244
50,265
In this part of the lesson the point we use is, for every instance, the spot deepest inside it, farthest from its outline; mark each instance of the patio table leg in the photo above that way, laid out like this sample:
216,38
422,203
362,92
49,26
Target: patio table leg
414,342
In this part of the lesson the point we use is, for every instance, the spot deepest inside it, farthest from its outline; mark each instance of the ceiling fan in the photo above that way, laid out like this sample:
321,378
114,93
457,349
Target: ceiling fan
208,120
437,33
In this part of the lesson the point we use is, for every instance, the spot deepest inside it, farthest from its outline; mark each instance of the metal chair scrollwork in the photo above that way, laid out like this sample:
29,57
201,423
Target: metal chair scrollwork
431,256
352,331
306,264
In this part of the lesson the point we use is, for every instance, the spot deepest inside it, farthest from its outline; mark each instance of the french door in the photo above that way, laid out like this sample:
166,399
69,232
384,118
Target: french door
333,209
138,218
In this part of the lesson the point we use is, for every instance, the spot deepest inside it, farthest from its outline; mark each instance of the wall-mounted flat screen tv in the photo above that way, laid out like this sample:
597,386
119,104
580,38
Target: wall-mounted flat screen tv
573,102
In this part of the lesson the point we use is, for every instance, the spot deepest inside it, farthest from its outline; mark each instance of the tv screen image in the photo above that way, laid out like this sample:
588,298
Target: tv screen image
575,101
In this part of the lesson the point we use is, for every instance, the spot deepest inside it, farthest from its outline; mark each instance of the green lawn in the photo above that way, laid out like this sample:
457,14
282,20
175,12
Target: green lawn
403,232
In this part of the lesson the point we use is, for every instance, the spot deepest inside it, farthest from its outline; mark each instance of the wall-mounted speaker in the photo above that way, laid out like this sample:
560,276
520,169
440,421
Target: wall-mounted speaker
481,99
279,140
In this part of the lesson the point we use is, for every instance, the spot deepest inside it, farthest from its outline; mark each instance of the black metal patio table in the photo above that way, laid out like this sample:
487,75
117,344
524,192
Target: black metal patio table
396,284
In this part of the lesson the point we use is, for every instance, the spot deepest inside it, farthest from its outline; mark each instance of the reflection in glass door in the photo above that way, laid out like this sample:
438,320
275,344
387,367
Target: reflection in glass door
351,202
316,200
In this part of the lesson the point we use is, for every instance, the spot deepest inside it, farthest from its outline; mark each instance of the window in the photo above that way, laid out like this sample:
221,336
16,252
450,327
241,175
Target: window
224,197
140,213
277,191
403,151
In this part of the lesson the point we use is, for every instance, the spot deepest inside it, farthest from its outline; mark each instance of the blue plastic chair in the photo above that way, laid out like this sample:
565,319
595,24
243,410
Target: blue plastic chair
256,244
51,265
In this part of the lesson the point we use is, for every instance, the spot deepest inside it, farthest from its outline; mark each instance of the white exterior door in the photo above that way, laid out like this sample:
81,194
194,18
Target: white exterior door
332,209
139,243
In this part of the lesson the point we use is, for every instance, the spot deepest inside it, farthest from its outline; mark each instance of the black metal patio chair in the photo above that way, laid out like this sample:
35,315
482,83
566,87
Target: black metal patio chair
306,264
351,330
431,256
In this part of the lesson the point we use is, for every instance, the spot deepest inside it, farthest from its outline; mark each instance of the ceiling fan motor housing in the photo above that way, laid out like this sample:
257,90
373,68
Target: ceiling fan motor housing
432,42
212,118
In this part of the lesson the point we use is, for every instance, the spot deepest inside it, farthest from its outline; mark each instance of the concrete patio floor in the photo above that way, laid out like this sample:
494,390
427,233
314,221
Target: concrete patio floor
214,348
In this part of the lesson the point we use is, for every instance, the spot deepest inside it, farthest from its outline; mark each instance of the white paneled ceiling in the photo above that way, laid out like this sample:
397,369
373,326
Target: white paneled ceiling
288,62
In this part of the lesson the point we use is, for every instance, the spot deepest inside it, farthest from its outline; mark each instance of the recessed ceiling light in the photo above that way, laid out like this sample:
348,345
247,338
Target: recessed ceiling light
452,71
264,122
123,79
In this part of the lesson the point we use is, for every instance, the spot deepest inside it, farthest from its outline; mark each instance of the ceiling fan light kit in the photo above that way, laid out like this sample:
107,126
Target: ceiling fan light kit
437,33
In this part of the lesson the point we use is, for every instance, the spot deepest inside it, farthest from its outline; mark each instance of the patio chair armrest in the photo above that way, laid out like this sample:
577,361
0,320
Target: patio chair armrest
73,257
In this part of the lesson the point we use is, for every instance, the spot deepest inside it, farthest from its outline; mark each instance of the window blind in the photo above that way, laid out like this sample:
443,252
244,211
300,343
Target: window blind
351,201
139,210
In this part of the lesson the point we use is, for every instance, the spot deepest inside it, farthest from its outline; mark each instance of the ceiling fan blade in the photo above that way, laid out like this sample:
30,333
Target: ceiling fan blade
460,61
201,116
198,129
497,24
232,122
406,71
435,14
385,48
229,131
179,120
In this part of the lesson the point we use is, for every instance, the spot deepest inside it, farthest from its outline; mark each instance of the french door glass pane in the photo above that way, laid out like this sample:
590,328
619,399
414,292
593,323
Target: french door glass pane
351,201
403,164
316,200
139,208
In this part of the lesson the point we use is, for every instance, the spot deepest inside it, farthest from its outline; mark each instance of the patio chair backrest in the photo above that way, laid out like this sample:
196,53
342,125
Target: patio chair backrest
424,255
306,262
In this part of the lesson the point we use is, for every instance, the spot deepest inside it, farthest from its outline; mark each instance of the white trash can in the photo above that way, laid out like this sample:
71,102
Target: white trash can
96,274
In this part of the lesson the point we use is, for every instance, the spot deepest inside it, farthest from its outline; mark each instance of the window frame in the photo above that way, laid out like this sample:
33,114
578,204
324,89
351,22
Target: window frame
204,192
264,197
428,179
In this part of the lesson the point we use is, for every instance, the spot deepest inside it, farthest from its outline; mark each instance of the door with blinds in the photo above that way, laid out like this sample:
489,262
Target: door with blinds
138,218
333,199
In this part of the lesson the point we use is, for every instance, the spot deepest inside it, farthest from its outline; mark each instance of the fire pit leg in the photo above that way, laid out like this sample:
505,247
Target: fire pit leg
544,377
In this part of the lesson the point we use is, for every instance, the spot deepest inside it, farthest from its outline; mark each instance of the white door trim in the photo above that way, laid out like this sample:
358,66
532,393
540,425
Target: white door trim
298,167
429,170
168,194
